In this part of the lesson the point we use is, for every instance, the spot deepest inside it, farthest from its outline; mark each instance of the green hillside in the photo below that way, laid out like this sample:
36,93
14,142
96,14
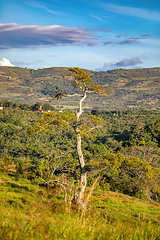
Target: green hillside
133,89
28,211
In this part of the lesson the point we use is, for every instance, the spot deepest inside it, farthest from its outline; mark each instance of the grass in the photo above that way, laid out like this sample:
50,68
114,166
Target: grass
29,212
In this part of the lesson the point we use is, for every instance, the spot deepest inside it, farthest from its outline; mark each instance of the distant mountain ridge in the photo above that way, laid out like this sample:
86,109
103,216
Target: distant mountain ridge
133,88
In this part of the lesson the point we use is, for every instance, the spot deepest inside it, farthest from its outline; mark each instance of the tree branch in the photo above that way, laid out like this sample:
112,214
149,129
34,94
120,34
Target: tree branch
94,128
80,105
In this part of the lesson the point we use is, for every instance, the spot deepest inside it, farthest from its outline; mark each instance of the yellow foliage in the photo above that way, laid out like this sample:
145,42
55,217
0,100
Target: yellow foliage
96,119
52,119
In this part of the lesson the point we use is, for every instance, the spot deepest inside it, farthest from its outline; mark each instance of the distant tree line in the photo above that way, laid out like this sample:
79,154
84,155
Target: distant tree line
34,107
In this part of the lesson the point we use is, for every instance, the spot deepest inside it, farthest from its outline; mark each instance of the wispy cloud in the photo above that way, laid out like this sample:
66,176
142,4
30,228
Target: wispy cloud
127,41
37,5
109,42
98,18
146,35
22,36
135,12
124,63
120,35
135,38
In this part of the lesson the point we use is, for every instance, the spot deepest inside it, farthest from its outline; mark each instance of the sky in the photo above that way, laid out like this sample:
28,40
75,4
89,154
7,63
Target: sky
98,35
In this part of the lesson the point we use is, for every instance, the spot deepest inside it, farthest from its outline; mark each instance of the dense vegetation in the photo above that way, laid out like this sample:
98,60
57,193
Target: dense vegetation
125,150
37,175
133,89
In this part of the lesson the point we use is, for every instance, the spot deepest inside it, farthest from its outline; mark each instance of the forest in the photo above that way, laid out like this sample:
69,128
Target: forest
127,145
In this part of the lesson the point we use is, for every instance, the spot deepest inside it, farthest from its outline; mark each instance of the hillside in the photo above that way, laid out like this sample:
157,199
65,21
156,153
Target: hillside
32,212
134,88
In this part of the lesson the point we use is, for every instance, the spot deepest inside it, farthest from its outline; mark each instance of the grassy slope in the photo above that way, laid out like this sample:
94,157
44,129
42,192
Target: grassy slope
133,88
30,212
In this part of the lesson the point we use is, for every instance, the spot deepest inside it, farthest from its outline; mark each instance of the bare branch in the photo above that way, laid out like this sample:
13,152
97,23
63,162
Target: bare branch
80,105
94,128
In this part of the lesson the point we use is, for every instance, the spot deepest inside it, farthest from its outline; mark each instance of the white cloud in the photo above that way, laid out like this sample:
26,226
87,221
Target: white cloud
6,62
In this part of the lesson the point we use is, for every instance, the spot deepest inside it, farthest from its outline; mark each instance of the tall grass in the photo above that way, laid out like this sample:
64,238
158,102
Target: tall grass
29,212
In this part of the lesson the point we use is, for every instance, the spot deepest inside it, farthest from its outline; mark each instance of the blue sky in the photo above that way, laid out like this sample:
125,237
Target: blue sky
90,34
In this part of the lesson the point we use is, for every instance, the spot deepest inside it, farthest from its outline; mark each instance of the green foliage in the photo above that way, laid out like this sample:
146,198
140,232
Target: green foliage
104,149
39,106
6,164
36,106
140,134
52,119
130,175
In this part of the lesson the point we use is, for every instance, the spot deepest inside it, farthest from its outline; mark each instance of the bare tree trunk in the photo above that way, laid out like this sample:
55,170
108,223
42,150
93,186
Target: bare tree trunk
83,177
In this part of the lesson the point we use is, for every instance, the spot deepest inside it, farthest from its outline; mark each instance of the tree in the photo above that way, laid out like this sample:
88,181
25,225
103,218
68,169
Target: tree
47,106
81,81
37,106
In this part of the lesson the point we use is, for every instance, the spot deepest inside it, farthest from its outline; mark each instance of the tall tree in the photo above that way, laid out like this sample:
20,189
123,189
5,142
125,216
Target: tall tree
82,81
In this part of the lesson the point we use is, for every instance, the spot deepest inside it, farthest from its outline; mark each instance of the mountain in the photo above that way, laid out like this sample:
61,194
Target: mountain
133,88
